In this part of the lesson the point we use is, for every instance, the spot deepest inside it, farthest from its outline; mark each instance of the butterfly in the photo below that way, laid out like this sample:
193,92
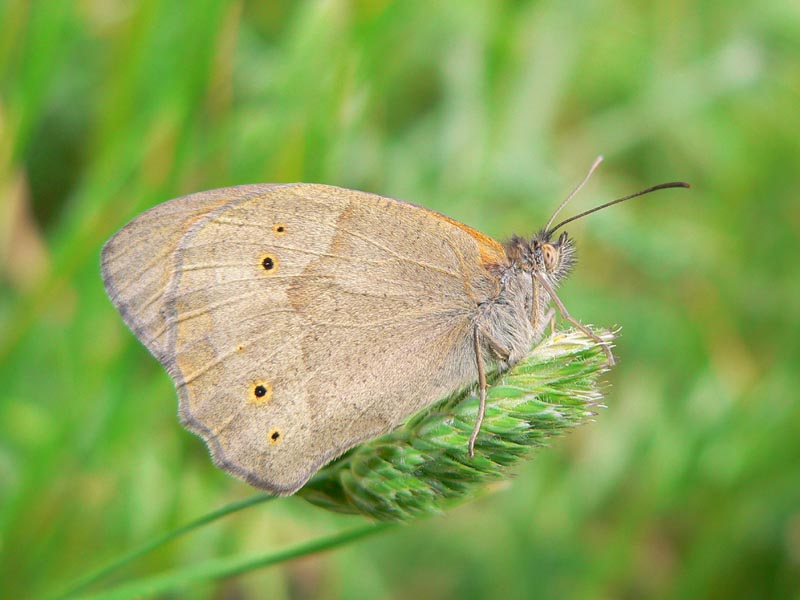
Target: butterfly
298,320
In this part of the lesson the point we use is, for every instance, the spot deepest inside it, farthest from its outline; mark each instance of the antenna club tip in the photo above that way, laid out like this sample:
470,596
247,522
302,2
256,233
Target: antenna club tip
671,184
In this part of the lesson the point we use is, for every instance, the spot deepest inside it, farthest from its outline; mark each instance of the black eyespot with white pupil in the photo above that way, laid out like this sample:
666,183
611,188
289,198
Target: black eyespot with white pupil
268,263
260,391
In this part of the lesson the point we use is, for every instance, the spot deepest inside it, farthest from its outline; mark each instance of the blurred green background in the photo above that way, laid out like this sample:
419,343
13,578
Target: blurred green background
687,486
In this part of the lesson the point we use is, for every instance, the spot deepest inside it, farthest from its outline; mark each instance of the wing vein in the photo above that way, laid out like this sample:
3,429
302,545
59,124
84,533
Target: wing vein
338,230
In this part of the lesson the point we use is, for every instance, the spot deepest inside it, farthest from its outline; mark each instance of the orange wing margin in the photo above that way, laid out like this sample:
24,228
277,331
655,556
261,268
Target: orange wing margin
492,251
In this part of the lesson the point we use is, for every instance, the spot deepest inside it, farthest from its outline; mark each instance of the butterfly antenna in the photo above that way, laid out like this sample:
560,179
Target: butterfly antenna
660,186
594,166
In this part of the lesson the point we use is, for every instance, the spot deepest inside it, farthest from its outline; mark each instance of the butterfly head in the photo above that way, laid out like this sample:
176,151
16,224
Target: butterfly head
553,258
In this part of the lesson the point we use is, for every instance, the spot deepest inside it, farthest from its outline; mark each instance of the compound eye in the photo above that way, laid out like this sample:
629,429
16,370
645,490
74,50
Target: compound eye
550,255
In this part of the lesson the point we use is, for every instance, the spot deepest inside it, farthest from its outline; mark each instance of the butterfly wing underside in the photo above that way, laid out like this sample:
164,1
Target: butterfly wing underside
137,263
300,320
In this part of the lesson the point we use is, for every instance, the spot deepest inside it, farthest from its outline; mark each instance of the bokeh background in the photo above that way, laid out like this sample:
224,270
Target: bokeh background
687,486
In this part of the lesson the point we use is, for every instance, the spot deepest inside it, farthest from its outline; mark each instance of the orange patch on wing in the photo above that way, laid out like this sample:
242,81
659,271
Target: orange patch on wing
492,252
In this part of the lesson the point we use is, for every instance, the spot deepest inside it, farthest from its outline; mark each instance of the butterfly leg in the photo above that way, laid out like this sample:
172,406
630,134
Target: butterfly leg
567,317
549,319
481,390
499,350
502,353
550,316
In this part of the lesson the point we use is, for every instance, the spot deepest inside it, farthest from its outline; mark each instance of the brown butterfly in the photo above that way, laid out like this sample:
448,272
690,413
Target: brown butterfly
298,320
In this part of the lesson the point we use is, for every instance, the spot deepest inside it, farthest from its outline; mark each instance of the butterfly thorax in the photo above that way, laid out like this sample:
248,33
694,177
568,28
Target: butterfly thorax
516,317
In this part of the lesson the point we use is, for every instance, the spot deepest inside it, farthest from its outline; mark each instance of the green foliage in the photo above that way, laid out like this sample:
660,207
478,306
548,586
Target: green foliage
488,111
